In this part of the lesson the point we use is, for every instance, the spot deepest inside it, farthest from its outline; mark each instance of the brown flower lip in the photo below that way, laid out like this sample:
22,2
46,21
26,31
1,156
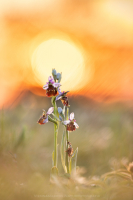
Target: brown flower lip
71,126
51,91
69,151
64,101
42,119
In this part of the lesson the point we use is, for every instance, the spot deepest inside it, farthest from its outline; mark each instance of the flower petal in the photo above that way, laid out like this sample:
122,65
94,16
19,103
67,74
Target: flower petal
45,121
58,97
76,125
71,116
56,85
45,87
51,79
66,122
50,110
59,90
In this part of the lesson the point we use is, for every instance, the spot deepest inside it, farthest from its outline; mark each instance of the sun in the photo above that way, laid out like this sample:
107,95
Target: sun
65,57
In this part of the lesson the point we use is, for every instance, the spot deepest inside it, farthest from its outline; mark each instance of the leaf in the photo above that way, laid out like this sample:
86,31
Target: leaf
57,152
54,171
73,161
119,173
21,139
63,143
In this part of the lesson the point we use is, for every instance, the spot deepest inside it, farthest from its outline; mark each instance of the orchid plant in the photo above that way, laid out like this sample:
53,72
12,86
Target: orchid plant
59,115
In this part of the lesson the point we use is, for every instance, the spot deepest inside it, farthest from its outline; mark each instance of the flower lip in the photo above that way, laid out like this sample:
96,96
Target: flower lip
43,120
69,151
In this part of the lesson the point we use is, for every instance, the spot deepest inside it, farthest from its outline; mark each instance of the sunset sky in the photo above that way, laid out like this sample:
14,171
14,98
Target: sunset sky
90,42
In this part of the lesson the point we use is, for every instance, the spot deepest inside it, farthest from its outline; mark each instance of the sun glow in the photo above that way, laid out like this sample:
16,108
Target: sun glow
64,57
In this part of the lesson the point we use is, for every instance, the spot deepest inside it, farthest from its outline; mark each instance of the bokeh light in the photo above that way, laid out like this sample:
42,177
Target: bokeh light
64,57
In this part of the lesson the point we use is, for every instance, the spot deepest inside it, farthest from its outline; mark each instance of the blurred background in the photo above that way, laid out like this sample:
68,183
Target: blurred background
91,43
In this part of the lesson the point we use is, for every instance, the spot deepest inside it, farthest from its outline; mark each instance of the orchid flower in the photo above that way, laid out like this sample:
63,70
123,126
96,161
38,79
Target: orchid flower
71,124
51,87
62,96
44,118
69,150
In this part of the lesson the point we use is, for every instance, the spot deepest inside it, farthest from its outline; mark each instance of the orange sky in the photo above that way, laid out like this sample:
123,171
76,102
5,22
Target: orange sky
103,30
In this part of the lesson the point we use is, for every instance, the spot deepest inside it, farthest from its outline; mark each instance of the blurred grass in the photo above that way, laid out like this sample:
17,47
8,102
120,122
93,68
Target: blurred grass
104,140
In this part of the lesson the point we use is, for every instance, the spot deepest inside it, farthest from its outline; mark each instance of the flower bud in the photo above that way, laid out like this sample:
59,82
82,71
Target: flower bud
59,110
58,77
60,118
54,74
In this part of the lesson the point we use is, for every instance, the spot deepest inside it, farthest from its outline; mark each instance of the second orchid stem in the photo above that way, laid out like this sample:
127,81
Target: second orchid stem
67,138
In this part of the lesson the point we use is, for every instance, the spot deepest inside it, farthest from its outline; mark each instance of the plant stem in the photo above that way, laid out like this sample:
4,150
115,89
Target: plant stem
55,137
67,138
55,145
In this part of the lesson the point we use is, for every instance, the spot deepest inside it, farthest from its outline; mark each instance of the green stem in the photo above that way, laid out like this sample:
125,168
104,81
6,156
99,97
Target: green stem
55,137
67,138
55,145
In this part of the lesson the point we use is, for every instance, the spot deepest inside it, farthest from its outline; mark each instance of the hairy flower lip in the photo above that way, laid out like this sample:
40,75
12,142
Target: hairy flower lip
69,151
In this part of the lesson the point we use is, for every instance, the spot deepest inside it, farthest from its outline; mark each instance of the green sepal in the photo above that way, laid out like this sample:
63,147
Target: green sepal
56,117
52,120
